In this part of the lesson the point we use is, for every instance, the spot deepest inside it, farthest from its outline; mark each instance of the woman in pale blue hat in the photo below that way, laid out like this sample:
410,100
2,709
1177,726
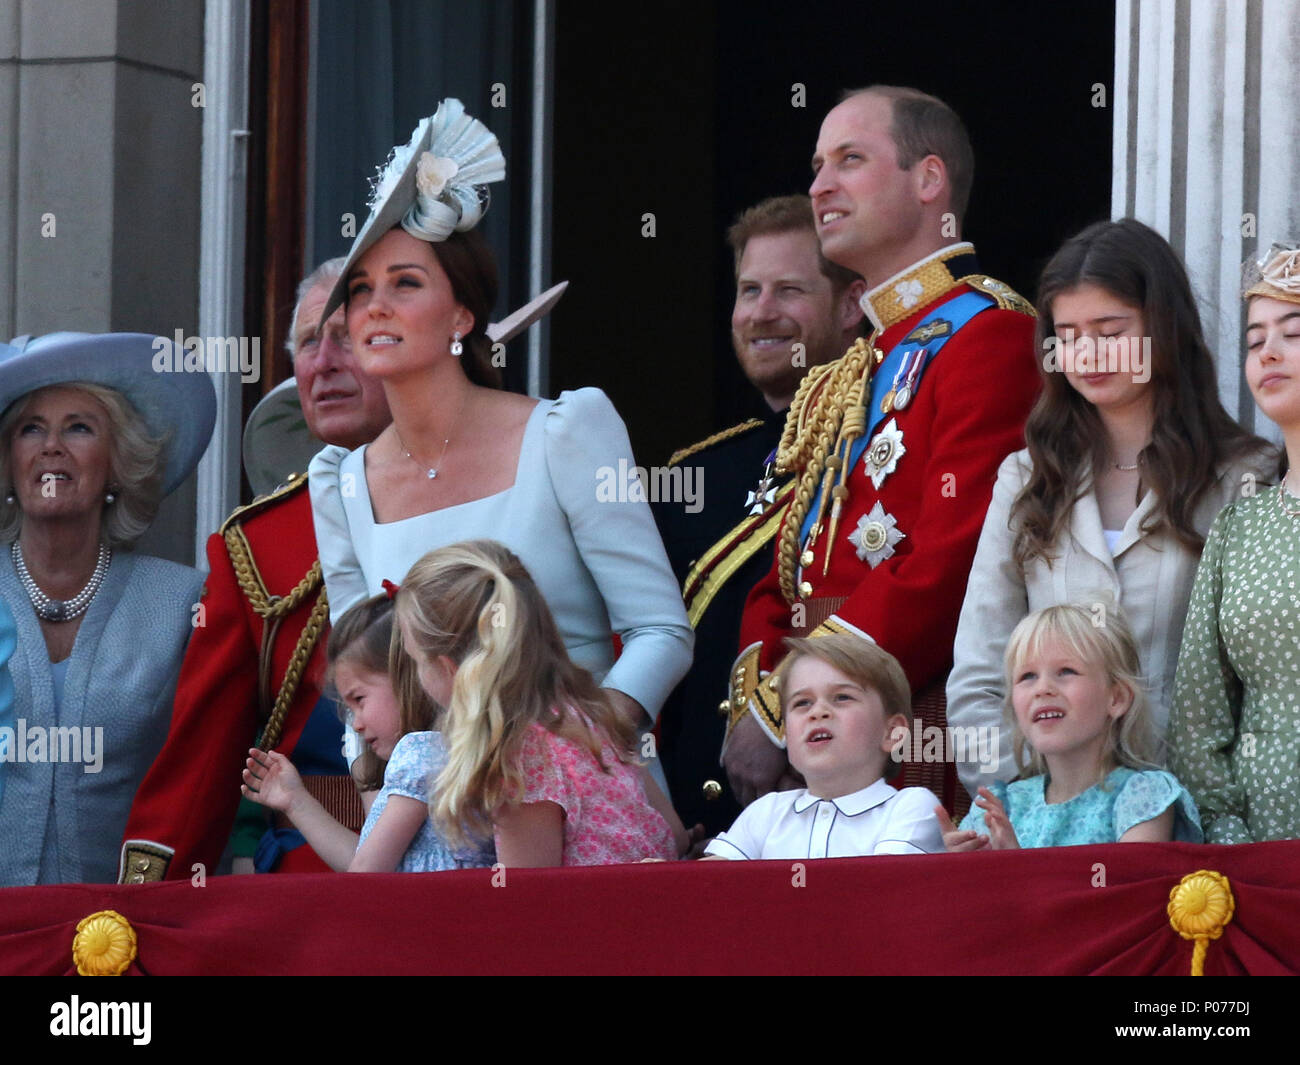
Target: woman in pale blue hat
91,440
465,460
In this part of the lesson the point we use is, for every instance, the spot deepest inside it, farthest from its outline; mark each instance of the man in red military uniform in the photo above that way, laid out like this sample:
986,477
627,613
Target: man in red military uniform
254,669
896,445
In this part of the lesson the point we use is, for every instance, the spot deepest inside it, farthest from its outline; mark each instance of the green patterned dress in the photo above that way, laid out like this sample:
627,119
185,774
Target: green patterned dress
1234,729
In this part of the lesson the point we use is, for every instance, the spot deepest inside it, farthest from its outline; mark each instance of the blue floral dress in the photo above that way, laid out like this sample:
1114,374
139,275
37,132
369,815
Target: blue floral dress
1102,814
417,758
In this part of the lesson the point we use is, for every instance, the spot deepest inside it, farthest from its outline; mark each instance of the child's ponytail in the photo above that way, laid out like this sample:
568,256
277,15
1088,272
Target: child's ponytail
476,604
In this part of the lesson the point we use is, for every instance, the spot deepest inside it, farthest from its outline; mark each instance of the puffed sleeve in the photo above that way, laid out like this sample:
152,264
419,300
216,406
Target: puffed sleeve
345,584
996,601
1206,714
8,641
1148,794
545,775
587,450
913,827
416,758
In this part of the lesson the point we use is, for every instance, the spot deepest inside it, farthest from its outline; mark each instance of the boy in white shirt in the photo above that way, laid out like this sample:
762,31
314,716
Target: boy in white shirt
847,706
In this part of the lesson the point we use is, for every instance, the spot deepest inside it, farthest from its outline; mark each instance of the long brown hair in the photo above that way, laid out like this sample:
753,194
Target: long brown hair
366,637
467,260
476,603
1192,434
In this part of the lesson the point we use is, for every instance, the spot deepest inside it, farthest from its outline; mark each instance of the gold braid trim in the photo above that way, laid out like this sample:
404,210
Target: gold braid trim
302,651
809,439
250,579
273,609
726,434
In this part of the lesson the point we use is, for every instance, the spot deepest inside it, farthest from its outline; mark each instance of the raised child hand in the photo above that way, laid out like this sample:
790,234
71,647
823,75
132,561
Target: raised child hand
954,839
1002,836
270,779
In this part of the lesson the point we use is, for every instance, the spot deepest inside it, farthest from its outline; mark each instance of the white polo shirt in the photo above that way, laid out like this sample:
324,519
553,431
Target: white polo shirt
796,824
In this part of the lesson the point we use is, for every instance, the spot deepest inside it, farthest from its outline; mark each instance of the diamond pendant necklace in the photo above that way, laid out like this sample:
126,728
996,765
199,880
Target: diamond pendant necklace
429,471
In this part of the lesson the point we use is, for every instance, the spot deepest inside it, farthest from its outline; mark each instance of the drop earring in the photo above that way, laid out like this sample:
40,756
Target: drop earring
110,498
457,348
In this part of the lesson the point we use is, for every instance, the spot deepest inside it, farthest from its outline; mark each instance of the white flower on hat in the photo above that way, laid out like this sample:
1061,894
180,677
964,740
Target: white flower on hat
432,174
1282,270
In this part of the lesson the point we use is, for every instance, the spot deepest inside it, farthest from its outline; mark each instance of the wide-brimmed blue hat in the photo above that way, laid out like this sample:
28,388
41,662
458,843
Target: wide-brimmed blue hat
177,405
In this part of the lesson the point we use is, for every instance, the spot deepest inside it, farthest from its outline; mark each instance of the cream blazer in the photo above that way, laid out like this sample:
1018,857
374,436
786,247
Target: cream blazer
1149,578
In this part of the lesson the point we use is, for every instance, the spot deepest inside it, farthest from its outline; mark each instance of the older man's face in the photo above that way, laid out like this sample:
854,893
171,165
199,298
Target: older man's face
341,404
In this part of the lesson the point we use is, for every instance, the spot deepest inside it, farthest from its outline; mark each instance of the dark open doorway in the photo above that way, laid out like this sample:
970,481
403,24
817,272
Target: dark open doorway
687,111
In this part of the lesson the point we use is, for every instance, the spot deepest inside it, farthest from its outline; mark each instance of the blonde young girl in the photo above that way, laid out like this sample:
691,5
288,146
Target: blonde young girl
1080,713
537,756
393,715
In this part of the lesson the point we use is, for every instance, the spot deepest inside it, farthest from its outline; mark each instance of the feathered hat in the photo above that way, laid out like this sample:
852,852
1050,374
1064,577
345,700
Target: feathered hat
432,186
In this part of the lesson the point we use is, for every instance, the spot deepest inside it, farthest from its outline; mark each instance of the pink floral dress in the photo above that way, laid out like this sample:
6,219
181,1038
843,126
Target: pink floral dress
607,818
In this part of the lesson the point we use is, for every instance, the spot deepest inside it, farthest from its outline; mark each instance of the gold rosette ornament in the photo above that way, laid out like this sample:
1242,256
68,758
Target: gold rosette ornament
105,944
1200,908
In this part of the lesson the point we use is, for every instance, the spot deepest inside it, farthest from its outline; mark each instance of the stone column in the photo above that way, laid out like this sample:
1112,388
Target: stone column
99,179
1207,151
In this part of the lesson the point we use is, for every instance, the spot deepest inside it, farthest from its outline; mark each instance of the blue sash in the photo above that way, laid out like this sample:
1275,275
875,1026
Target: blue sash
955,313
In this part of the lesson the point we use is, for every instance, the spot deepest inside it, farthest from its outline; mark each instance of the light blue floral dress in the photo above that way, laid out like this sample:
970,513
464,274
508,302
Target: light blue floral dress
417,758
1102,814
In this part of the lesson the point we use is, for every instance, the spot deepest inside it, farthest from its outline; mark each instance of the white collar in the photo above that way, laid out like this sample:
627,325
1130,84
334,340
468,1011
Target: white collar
856,802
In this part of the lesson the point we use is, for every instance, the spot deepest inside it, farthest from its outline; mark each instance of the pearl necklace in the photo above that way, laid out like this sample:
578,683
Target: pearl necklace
49,609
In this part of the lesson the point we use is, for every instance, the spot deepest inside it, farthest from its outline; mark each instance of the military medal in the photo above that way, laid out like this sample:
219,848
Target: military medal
885,450
890,402
764,494
904,396
875,536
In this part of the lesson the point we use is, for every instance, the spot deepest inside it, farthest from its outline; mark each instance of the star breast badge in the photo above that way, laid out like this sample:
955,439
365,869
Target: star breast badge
885,451
875,536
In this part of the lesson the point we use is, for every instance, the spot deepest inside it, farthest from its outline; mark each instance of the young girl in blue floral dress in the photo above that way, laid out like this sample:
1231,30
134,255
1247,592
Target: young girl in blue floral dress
1080,712
393,716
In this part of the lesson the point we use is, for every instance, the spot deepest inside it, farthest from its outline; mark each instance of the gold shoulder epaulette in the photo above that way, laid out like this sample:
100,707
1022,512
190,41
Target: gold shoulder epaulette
1008,298
716,438
296,483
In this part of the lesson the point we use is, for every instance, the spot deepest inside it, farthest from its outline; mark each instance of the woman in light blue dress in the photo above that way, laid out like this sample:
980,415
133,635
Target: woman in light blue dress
554,480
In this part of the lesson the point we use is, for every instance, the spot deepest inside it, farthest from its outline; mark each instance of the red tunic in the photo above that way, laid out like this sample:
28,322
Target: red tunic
184,810
967,414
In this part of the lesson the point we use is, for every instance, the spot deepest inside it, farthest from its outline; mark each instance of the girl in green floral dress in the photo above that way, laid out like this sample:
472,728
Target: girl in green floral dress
1235,725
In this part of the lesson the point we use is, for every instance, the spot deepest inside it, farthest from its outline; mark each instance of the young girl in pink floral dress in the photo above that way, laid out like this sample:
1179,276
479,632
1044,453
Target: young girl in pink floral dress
536,755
